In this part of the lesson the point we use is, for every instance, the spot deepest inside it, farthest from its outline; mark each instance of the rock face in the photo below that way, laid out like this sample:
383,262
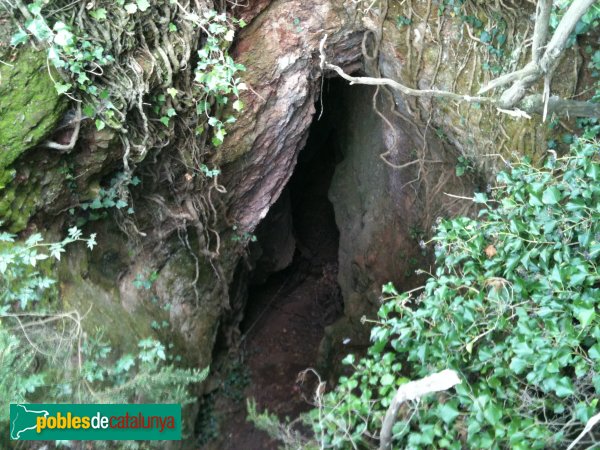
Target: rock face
29,106
381,211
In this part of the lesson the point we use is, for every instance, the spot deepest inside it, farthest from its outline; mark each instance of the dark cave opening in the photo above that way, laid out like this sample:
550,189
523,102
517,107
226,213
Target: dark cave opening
299,238
293,293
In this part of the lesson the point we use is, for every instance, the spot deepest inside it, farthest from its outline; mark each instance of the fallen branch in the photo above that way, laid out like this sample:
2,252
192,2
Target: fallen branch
534,104
588,427
413,390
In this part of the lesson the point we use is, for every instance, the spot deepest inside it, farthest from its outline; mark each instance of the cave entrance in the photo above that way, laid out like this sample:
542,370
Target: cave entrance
293,292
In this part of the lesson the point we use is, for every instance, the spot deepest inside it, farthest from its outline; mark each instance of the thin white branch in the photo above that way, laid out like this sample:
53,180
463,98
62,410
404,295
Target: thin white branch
588,427
441,381
516,113
394,84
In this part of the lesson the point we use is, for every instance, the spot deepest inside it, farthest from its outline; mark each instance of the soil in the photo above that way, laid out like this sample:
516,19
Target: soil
286,327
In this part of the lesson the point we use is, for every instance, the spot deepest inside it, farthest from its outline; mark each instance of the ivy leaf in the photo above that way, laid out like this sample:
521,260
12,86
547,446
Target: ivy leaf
564,387
35,8
480,198
585,316
387,379
238,105
389,288
143,5
62,88
124,364
98,14
100,124
551,196
131,8
89,111
485,37
19,37
39,29
172,92
229,36
448,412
492,414
165,121
63,35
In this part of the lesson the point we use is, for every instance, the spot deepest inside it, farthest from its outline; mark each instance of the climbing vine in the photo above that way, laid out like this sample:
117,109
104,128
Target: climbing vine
154,75
92,50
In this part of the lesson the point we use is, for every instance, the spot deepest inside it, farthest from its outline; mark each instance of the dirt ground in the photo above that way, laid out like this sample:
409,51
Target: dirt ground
284,329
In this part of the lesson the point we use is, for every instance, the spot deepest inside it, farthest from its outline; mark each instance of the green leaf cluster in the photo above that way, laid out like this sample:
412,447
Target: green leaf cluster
116,195
216,78
513,307
45,355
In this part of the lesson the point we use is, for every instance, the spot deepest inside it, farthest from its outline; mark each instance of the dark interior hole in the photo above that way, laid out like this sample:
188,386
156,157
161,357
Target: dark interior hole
293,293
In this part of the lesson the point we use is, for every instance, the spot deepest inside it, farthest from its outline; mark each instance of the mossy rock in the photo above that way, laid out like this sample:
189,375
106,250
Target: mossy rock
30,107
99,303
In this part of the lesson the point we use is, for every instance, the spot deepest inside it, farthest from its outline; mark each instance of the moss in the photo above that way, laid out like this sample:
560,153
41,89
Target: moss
38,184
30,108
17,205
100,305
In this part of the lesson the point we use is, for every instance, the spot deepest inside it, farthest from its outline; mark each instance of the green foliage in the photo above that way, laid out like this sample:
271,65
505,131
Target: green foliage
207,422
512,307
116,195
21,283
402,21
84,61
216,75
244,237
79,56
142,377
145,281
46,355
464,165
237,379
270,424
17,379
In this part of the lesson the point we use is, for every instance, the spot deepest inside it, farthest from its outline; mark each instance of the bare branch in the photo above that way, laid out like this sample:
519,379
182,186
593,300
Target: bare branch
559,39
534,104
540,64
540,32
508,78
394,84
413,390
